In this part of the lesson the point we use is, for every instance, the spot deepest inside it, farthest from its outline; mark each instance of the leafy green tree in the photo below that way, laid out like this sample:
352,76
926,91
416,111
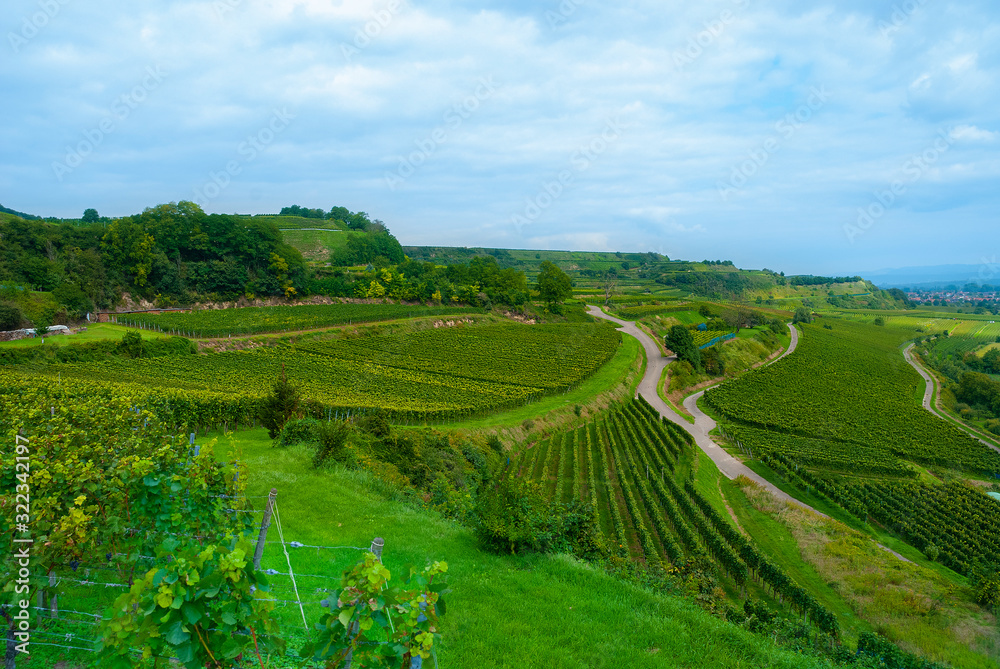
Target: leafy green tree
280,406
10,317
802,315
367,248
553,285
90,216
72,297
128,251
680,340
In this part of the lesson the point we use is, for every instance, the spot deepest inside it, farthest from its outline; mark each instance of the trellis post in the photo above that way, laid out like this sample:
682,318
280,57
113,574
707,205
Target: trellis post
264,524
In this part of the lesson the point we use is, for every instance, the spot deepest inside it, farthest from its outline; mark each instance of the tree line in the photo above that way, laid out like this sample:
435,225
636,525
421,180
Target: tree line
177,254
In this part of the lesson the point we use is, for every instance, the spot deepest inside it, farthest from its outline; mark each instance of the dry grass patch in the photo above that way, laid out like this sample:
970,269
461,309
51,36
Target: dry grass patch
920,610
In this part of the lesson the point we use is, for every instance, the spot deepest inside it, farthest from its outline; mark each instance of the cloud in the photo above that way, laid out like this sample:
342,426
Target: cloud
973,134
700,89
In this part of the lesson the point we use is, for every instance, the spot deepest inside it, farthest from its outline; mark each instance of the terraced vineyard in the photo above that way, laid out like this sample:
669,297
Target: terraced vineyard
433,374
967,336
259,320
625,464
851,385
818,453
962,522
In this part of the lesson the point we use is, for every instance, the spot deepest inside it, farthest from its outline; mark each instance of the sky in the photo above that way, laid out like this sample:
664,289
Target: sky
822,138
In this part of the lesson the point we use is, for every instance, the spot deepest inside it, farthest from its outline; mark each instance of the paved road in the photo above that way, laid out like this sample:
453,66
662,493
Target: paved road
703,424
929,395
655,363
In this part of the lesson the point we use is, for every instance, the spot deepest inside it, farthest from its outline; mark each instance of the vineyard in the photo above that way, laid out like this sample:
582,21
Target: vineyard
960,521
851,385
625,465
839,456
433,374
139,546
967,336
211,323
101,485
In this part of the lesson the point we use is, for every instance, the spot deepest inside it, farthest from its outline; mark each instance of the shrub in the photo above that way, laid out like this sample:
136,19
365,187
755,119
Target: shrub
508,513
297,431
10,317
494,443
332,438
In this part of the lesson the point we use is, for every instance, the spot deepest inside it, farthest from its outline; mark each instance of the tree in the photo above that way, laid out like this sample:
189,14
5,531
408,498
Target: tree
802,315
681,342
610,285
90,216
553,285
739,316
280,406
10,317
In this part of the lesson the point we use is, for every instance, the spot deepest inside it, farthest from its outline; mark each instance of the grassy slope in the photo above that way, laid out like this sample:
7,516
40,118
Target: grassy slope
547,611
94,332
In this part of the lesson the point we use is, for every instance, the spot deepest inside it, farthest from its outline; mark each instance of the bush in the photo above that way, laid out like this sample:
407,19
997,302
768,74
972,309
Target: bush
494,443
130,345
376,424
298,431
10,317
332,438
508,514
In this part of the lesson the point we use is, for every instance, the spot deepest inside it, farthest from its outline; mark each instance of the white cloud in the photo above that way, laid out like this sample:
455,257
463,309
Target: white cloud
686,127
971,133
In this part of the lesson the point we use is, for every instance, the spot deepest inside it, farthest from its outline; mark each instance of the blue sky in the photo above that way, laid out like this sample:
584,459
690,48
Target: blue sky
806,137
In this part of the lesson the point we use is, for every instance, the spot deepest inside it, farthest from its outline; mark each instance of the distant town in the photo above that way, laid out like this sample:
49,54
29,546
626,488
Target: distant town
981,299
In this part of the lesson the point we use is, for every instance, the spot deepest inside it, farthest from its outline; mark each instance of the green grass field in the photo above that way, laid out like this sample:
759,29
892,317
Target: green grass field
95,332
540,611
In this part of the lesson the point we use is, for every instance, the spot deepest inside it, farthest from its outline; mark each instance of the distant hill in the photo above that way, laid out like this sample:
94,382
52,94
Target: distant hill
935,276
27,217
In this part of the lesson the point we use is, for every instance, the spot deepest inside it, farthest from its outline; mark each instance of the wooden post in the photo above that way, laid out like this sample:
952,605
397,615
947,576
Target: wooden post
264,524
378,544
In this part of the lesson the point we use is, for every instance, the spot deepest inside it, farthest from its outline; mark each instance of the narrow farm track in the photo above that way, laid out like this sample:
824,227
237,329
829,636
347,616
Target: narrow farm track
655,363
928,401
727,464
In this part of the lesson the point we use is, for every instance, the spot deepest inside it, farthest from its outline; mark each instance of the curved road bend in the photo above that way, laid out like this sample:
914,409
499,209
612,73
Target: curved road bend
655,363
703,424
929,395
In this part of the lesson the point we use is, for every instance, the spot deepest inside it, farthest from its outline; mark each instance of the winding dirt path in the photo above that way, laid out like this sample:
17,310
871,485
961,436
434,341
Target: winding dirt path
655,363
703,424
928,401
